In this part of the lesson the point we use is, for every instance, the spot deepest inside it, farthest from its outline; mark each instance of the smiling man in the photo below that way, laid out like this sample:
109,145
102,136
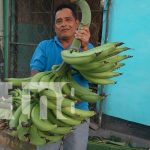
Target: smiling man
48,53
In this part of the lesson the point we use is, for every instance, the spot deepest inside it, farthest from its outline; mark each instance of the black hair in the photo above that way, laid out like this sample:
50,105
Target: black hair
70,6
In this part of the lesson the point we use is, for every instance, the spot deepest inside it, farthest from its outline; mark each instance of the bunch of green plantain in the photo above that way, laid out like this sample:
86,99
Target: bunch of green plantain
97,65
58,92
47,115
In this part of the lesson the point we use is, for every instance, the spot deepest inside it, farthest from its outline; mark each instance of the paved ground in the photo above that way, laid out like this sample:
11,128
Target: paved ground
135,141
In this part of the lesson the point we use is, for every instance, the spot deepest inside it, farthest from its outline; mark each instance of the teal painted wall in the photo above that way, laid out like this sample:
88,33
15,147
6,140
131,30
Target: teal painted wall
130,98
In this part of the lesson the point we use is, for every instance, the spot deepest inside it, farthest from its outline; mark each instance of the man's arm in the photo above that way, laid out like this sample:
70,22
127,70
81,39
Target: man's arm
38,61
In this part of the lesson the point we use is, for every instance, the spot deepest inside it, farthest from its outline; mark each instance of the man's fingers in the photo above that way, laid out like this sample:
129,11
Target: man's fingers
82,34
78,36
85,29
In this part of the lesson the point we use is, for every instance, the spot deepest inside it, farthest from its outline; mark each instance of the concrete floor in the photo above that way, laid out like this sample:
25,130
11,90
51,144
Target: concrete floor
9,143
135,141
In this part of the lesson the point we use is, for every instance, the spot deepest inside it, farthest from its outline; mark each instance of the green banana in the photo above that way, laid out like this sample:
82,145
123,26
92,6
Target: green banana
110,44
51,105
13,123
118,65
46,77
13,133
117,58
105,53
68,111
67,120
38,76
86,13
65,102
118,50
24,119
96,51
87,96
91,97
71,111
61,130
50,138
34,82
102,75
108,64
50,94
98,80
85,20
104,68
17,81
89,67
34,136
43,125
69,57
82,93
54,120
75,85
23,133
66,89
44,81
16,93
109,49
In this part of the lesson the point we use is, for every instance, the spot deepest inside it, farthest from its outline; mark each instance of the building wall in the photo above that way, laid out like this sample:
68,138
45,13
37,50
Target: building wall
130,98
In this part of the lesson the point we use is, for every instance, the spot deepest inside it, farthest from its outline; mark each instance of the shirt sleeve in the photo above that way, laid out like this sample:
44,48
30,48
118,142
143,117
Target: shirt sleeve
90,46
38,61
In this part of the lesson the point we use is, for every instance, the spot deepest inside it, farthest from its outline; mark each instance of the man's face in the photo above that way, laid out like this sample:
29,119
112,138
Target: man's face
65,24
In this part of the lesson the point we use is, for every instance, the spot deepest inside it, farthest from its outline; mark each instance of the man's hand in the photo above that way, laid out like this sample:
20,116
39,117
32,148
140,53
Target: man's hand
83,35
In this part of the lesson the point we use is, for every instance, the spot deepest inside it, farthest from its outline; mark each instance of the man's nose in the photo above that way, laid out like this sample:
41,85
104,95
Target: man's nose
64,23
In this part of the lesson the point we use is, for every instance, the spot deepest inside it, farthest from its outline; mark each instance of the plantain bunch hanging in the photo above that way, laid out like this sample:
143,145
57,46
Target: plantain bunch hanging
27,124
98,64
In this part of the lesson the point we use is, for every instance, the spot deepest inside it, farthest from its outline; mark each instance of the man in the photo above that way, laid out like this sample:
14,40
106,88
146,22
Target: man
48,53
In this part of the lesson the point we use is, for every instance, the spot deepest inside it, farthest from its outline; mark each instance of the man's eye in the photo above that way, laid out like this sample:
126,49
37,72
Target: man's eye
68,19
58,21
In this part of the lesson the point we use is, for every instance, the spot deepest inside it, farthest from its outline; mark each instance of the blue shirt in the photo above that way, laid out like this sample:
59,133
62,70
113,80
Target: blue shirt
47,54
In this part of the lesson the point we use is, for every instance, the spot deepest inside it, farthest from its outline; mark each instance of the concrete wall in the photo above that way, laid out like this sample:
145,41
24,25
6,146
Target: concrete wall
130,97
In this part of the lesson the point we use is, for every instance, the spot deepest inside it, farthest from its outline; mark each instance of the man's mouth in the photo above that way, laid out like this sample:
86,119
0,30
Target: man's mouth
64,30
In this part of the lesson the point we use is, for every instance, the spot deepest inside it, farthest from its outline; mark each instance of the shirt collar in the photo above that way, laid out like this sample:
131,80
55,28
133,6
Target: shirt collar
57,41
